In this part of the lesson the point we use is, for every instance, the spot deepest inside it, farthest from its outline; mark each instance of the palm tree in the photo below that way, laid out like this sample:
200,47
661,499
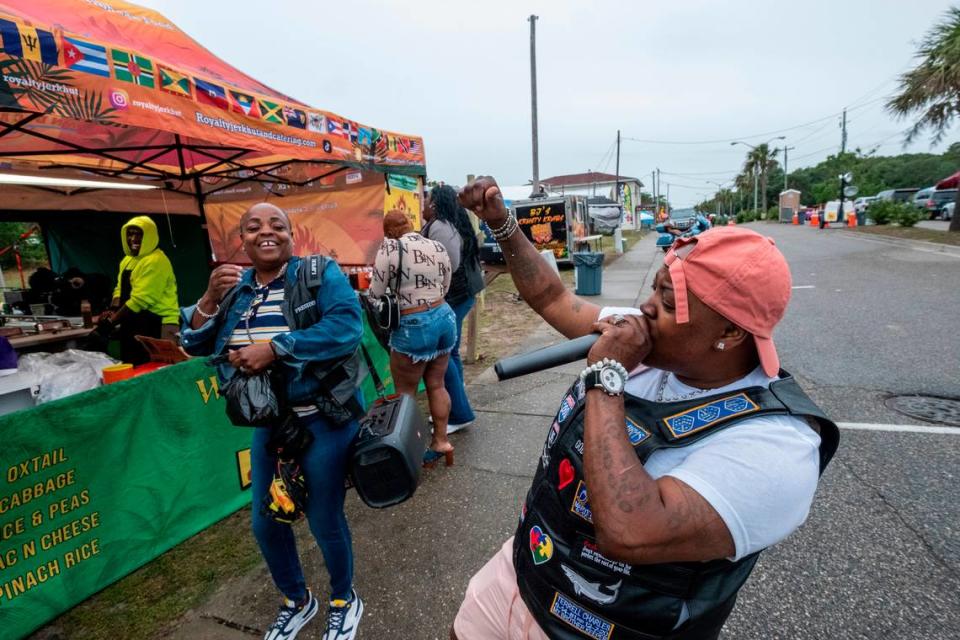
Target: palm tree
765,159
932,87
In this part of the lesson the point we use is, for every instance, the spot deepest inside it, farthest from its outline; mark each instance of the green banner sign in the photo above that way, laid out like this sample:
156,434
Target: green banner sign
95,485
406,183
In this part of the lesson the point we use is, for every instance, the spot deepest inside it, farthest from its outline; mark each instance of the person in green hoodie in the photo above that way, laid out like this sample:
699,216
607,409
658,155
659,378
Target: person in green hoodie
145,298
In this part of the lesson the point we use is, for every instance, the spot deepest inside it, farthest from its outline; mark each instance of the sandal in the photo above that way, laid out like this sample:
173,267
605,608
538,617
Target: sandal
431,458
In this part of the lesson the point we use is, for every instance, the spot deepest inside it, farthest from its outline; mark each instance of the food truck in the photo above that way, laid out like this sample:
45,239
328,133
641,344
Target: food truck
549,222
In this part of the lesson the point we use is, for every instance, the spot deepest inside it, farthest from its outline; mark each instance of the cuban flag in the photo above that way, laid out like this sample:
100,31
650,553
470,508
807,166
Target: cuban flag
85,56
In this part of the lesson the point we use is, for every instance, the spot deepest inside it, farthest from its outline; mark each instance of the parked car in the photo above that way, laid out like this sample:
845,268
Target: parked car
932,202
860,205
898,195
946,211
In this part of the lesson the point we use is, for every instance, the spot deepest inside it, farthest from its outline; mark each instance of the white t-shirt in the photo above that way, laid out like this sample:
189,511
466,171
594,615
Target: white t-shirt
760,475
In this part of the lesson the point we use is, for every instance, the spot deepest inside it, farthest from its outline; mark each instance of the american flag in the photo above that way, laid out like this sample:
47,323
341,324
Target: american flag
414,146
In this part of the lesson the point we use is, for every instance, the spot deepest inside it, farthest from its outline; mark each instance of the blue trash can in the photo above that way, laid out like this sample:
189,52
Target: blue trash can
589,267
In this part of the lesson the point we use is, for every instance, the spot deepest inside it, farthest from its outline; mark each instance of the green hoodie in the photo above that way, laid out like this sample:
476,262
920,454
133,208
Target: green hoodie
152,283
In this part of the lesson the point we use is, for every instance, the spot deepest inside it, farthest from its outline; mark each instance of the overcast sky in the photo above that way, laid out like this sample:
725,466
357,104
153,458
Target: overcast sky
458,74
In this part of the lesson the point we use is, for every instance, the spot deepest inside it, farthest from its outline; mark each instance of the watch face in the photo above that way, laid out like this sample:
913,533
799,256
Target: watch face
611,380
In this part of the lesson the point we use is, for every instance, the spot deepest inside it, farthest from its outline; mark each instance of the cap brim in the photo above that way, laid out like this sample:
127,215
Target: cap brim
769,359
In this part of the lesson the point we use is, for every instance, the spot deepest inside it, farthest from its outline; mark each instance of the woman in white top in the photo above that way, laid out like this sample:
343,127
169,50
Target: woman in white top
420,346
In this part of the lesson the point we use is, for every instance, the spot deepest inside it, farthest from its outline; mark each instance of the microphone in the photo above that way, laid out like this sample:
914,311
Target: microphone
545,358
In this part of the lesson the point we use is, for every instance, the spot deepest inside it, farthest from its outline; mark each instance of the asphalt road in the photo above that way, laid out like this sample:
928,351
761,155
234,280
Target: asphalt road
880,554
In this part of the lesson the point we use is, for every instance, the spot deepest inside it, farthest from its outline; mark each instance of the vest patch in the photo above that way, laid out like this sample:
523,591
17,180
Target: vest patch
698,418
566,408
636,433
590,553
600,593
541,545
581,506
584,621
565,474
305,306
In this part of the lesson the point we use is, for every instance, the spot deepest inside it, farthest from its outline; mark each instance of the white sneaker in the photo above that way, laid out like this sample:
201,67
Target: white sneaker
454,427
291,618
343,618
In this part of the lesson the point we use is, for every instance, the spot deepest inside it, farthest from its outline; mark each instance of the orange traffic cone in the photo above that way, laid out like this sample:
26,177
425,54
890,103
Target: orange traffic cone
796,218
815,220
851,220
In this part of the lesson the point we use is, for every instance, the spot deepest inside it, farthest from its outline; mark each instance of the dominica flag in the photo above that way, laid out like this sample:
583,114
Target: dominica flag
244,103
174,82
129,67
212,94
87,57
270,111
28,43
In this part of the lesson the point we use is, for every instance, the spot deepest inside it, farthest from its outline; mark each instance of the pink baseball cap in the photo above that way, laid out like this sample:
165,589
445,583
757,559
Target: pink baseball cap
741,275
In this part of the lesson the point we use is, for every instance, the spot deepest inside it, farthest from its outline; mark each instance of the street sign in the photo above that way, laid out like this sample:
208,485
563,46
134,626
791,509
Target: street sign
850,191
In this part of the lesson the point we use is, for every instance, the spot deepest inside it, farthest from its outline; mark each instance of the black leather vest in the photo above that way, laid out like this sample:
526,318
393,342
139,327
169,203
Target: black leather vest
575,592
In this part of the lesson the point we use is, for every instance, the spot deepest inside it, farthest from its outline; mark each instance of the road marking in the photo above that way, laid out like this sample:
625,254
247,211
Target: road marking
904,428
804,286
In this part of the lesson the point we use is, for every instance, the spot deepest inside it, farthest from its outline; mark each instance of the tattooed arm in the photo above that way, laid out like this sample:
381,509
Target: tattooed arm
639,520
537,283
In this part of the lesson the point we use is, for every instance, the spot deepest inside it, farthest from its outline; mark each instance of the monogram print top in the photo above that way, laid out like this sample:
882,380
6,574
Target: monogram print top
425,275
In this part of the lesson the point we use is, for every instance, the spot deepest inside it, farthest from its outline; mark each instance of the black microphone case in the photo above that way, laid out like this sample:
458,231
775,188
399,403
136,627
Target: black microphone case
388,452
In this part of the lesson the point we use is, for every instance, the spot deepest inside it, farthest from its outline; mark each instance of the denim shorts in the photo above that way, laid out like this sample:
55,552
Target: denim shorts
426,335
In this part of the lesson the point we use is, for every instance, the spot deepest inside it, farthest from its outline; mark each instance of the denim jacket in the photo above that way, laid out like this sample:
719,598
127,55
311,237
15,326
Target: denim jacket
336,335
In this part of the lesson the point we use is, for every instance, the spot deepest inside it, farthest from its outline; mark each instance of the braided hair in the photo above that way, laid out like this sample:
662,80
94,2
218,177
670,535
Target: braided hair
446,207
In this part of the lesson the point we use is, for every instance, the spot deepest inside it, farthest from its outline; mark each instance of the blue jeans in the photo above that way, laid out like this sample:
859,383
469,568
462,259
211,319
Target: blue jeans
425,335
324,467
460,409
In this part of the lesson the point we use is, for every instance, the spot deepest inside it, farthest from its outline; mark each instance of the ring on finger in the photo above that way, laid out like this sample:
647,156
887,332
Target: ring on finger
618,319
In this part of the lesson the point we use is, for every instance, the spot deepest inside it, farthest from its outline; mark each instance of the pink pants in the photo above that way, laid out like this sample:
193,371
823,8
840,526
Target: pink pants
492,608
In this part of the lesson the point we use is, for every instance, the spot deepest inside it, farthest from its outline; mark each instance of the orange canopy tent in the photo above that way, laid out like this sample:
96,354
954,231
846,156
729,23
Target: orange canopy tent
107,89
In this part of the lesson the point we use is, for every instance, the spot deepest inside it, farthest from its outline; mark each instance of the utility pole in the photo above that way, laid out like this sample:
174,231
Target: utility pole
616,191
533,102
653,192
843,136
756,191
785,172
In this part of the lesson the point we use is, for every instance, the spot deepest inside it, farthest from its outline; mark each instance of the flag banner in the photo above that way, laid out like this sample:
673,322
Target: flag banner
173,82
212,94
85,56
137,70
244,103
130,67
270,111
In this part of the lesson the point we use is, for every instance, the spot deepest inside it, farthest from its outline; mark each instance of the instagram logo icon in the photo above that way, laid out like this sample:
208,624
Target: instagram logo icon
119,99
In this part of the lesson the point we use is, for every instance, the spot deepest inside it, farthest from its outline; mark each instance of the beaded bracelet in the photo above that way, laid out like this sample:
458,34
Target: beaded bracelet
206,316
506,229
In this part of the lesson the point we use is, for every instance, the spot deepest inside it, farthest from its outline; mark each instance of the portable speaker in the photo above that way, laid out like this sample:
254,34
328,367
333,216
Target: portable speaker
388,452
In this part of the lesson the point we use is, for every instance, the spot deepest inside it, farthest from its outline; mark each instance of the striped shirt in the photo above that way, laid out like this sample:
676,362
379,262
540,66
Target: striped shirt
262,321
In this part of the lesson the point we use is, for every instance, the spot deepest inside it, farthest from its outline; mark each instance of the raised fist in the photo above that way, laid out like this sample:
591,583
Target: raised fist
483,197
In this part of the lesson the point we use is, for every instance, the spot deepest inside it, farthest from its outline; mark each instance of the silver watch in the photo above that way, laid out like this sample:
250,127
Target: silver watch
608,375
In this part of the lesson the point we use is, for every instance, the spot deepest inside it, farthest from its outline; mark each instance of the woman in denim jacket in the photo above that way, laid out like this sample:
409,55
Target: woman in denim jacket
256,336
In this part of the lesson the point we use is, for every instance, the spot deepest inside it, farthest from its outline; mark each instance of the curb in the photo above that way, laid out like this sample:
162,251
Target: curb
904,242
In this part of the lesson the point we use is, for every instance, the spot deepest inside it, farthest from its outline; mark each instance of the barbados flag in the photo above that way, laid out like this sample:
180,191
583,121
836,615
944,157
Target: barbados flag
28,43
87,57
174,82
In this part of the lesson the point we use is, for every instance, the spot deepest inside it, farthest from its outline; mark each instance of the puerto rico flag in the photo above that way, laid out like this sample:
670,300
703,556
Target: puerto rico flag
212,94
85,56
334,128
